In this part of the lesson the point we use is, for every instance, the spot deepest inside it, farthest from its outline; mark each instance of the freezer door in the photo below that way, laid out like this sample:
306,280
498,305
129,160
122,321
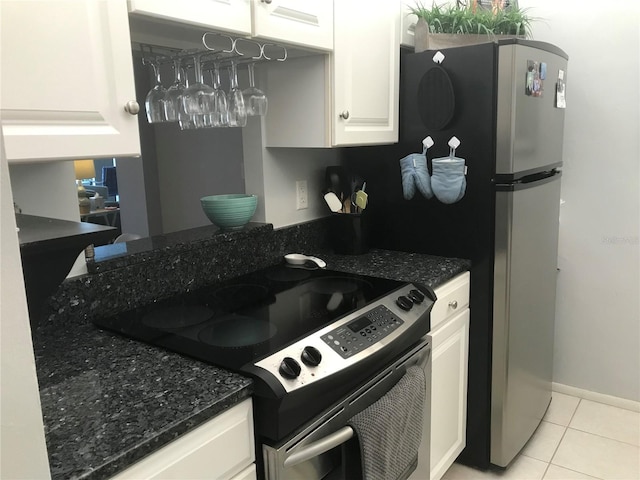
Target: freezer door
526,251
529,127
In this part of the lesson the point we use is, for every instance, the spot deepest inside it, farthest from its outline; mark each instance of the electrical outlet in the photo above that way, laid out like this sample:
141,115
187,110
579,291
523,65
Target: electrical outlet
302,200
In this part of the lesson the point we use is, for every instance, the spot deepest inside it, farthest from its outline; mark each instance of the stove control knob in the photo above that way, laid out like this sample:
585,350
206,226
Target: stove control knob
404,303
289,368
416,296
311,356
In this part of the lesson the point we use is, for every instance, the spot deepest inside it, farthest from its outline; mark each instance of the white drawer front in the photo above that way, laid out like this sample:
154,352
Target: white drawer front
453,297
220,449
248,473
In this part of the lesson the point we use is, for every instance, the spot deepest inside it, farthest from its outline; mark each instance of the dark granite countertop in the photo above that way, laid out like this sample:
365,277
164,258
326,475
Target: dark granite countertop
107,401
408,267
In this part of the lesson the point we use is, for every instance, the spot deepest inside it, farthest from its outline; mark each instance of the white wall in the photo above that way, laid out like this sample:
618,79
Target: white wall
132,196
48,190
193,164
598,310
271,173
23,452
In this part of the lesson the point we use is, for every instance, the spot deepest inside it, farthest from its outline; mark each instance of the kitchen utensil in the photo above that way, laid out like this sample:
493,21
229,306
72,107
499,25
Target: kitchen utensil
356,183
336,180
361,199
301,259
335,205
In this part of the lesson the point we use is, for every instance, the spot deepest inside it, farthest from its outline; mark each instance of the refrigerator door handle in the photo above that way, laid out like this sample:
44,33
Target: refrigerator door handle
529,181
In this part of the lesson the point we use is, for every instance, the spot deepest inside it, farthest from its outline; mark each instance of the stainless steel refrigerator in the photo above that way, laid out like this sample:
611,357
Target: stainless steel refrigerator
505,102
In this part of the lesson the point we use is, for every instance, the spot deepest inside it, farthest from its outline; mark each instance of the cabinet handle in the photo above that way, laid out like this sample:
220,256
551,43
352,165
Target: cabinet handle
345,114
266,1
132,107
453,304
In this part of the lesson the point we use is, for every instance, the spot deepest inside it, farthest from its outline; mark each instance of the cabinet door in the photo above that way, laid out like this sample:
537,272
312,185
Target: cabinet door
449,392
248,473
67,75
227,15
298,22
220,448
365,72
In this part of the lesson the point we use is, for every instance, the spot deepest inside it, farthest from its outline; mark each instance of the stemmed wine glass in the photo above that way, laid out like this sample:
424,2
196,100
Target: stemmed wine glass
255,101
220,106
197,99
236,108
186,121
173,102
154,103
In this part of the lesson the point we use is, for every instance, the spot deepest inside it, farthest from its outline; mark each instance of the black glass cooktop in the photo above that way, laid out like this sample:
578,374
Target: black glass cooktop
242,320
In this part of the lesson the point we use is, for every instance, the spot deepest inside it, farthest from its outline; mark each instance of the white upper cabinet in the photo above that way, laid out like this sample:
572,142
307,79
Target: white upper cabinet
365,72
67,80
347,98
305,23
308,23
233,16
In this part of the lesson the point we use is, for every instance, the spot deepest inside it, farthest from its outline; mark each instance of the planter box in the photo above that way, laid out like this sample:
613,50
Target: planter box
424,40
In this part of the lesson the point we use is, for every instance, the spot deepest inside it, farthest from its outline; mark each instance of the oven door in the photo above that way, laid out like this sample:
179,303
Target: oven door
326,447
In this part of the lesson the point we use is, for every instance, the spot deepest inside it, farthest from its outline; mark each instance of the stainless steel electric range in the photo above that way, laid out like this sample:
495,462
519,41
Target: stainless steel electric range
308,338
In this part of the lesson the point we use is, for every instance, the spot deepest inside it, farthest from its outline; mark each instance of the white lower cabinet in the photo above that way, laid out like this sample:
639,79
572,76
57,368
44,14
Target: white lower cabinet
248,473
221,449
449,372
449,392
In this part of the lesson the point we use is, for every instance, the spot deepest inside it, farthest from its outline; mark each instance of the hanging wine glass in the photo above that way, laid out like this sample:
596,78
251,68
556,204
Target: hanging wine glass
220,116
197,99
236,108
186,121
255,101
173,102
155,100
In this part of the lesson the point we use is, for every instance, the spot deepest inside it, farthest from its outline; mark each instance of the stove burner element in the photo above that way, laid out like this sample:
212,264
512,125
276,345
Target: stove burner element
235,331
333,285
177,316
288,274
230,296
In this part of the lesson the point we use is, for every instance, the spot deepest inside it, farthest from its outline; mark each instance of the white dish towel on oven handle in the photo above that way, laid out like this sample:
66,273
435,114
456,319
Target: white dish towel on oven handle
390,430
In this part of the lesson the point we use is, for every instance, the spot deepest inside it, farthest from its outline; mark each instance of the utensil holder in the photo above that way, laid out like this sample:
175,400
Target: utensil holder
349,233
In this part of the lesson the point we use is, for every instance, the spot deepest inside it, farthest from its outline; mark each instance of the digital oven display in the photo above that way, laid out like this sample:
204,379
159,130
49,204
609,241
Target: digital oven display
359,324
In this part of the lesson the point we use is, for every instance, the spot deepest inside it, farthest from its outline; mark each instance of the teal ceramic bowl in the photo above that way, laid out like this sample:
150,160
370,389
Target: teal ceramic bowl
231,211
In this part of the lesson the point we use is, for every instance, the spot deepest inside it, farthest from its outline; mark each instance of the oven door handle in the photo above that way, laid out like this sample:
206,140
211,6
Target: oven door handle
318,447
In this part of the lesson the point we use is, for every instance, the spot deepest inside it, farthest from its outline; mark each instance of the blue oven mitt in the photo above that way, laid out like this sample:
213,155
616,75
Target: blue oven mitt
448,180
415,174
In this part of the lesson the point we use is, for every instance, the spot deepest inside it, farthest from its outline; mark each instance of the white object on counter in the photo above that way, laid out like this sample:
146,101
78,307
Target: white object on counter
300,259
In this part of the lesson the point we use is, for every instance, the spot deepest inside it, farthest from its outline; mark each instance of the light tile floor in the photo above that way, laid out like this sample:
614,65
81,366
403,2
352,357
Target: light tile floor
577,439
